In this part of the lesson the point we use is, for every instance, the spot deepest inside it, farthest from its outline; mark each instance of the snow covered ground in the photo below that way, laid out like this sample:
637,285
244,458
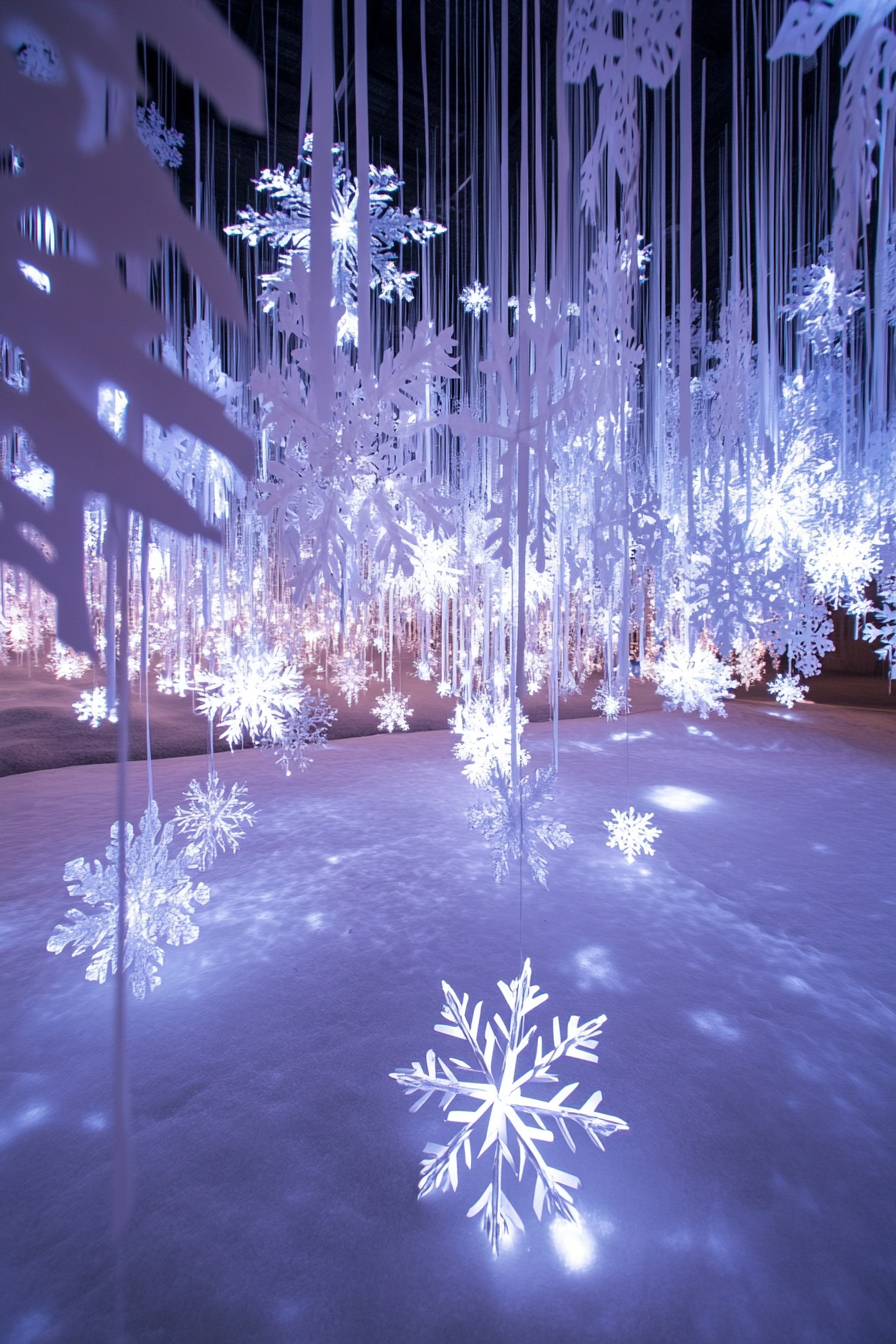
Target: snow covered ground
746,972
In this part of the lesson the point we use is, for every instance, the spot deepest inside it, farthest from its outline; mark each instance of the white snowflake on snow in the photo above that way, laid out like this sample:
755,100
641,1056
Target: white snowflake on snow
693,681
485,737
254,692
160,895
91,707
632,832
787,690
610,700
513,1119
302,729
392,709
213,820
476,299
509,820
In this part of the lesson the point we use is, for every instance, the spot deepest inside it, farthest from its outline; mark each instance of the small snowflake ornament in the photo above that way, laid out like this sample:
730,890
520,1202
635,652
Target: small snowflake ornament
788,690
302,729
511,821
91,707
476,299
393,711
632,832
610,700
351,676
693,681
213,820
497,1089
485,739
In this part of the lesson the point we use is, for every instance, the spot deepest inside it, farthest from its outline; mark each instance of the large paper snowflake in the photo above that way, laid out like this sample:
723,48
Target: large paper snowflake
632,832
392,709
788,690
610,700
92,707
485,738
213,819
509,820
160,898
255,692
513,1119
302,729
693,681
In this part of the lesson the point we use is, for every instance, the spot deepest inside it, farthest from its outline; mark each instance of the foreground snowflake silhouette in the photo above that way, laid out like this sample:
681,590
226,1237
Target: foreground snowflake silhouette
392,710
213,820
787,690
511,1117
160,896
91,707
632,832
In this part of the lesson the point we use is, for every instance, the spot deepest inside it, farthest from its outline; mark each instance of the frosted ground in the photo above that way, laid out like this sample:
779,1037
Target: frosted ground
746,972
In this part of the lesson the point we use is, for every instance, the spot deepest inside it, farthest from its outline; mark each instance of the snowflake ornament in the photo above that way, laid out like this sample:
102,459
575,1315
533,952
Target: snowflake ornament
476,299
254,692
163,143
160,898
509,820
485,737
632,832
693,681
351,676
610,700
213,820
788,690
302,729
512,1119
886,630
392,710
91,707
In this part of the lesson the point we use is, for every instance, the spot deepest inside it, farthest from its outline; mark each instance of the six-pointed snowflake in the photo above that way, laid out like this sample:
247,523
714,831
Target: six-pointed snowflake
632,832
393,711
485,737
693,681
498,1096
302,729
788,690
509,820
91,707
159,902
213,820
610,700
255,692
351,676
476,299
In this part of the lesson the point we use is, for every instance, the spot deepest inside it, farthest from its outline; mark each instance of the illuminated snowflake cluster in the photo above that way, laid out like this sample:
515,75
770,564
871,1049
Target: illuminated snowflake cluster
610,700
302,729
693,681
255,692
392,709
788,690
632,832
509,820
213,820
92,707
485,739
476,299
495,1093
160,897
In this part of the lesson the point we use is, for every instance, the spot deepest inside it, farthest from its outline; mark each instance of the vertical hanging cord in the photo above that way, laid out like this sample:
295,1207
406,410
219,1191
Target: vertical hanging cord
121,1165
144,637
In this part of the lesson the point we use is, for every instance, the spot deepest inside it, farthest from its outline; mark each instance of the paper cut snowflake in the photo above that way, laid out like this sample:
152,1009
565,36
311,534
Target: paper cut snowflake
163,143
693,681
632,832
512,1118
476,299
91,707
509,820
351,677
213,820
391,708
255,692
788,690
484,730
160,898
302,729
610,700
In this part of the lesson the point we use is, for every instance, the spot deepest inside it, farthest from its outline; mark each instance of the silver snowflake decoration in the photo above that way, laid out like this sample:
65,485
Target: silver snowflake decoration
302,729
476,299
788,690
509,820
496,1087
92,707
485,739
351,676
255,692
392,710
160,898
610,700
632,832
693,681
213,820
163,143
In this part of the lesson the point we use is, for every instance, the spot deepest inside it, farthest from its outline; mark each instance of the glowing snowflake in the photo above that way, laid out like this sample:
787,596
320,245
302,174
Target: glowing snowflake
392,710
92,707
693,681
841,562
160,897
509,820
213,820
485,738
476,299
749,661
302,729
435,569
254,692
163,143
351,676
610,700
510,1116
787,690
632,832
443,689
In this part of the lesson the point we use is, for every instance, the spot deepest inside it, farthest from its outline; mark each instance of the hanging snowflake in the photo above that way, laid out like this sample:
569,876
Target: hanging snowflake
91,707
302,729
476,299
485,734
509,820
886,631
610,700
351,676
788,690
392,710
693,681
254,692
163,143
632,832
510,1116
213,820
160,897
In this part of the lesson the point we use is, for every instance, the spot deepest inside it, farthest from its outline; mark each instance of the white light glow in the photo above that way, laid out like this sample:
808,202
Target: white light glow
574,1245
676,799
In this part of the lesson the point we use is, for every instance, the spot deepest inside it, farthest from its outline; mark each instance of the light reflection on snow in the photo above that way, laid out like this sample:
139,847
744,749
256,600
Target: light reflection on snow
699,732
630,737
595,964
574,1244
95,1123
714,1024
677,799
25,1120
